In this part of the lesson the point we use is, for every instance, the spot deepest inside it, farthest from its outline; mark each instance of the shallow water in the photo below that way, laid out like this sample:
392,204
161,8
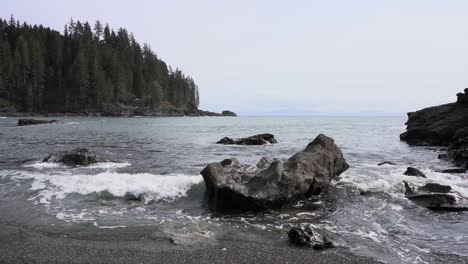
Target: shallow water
159,160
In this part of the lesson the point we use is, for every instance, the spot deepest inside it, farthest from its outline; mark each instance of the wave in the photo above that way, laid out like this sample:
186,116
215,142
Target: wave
43,165
57,185
100,165
389,179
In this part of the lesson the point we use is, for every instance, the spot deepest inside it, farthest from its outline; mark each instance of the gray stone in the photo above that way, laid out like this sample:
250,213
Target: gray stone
273,183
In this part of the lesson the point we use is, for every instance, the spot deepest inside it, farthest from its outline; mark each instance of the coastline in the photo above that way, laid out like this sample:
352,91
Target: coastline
38,247
197,113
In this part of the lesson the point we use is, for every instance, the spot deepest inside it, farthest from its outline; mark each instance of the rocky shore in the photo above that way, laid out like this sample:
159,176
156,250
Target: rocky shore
445,126
123,113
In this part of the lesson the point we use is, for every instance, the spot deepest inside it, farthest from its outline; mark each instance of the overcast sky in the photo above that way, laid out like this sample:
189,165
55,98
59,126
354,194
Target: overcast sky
293,57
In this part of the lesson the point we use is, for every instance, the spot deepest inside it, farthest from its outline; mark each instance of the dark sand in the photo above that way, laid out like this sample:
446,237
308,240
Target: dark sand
20,244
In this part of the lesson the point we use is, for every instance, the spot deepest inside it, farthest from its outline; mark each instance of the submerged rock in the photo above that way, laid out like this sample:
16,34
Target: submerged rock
305,236
410,171
435,187
260,139
79,156
28,122
386,163
453,171
273,183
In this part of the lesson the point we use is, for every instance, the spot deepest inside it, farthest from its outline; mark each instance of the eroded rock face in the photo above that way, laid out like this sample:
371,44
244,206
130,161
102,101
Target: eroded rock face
79,156
260,139
273,183
28,122
444,125
305,236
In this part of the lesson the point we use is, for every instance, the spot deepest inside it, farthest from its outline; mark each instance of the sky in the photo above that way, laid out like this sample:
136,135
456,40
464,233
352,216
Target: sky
362,57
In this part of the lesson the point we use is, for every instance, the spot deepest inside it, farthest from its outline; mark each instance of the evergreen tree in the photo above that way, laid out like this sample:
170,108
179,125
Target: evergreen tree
85,69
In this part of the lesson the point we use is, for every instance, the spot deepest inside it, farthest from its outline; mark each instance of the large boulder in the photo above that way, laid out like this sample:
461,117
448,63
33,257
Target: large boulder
273,183
444,125
28,122
260,139
79,156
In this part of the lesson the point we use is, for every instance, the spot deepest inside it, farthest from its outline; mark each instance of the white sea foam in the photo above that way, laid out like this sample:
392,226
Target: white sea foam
108,227
43,165
390,180
109,165
58,185
74,217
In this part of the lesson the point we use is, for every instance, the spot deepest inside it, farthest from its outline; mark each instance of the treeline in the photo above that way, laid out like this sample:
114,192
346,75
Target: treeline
86,69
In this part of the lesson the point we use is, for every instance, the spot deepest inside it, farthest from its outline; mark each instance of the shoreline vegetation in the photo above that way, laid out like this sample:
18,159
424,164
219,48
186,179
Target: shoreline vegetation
88,71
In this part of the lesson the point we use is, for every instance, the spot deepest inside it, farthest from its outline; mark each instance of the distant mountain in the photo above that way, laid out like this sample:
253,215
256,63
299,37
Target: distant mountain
88,70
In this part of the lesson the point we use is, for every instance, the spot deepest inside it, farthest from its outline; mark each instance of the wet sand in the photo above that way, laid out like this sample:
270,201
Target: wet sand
20,244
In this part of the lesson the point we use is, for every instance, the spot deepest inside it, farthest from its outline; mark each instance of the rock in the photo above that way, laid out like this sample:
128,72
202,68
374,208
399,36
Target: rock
273,183
386,163
414,172
435,198
453,171
444,125
435,187
305,236
28,122
457,152
260,139
226,141
228,113
79,156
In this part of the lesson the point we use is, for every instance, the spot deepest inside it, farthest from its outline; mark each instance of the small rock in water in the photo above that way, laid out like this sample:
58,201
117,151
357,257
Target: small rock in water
305,236
260,139
28,122
435,187
453,171
79,156
228,113
386,163
414,172
435,198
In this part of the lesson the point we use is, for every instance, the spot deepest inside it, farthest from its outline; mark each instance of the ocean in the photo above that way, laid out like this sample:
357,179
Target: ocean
149,184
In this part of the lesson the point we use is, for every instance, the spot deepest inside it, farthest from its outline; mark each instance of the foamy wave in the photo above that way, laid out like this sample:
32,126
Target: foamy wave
58,185
43,165
390,180
109,165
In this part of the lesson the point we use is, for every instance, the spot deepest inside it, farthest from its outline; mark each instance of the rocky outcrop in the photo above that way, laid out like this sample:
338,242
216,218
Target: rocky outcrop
79,156
445,125
410,171
273,183
28,122
305,236
434,197
260,139
228,113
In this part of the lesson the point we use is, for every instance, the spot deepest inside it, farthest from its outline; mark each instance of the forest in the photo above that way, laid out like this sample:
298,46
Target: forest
86,69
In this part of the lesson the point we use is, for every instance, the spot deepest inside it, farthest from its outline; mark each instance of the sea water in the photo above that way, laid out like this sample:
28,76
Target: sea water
151,179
